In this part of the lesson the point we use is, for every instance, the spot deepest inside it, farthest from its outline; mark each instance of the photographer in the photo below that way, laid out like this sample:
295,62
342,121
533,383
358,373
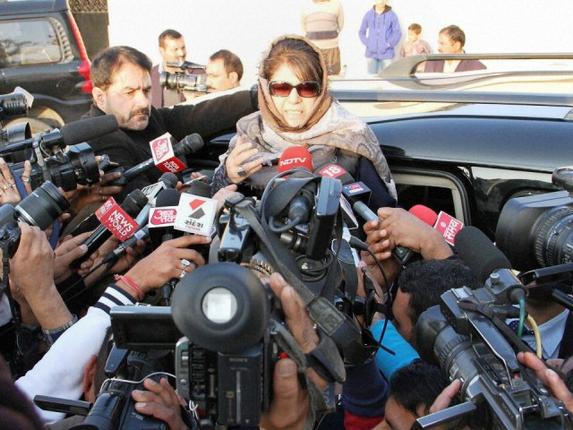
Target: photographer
172,49
122,87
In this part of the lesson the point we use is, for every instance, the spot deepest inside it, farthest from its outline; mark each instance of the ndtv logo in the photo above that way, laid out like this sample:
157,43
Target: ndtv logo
294,160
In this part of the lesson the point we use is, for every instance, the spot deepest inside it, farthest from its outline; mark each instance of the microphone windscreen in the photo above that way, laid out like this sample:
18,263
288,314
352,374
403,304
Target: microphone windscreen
479,253
89,128
425,214
189,144
167,197
169,179
295,157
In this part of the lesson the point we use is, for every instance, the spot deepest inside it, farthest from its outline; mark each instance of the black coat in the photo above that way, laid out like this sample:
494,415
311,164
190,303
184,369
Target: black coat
209,119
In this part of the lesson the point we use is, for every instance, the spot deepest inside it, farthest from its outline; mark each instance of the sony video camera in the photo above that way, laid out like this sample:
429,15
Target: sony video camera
468,337
189,77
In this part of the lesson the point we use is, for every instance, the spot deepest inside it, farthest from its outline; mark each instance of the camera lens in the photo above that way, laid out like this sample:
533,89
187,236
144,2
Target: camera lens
221,307
554,237
43,206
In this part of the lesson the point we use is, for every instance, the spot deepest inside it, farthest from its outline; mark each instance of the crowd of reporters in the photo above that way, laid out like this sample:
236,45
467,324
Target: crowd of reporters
59,289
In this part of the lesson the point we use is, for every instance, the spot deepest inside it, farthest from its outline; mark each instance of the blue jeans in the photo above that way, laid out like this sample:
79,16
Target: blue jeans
375,65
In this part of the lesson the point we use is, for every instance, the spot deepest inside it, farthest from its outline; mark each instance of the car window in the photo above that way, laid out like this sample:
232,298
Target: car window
28,42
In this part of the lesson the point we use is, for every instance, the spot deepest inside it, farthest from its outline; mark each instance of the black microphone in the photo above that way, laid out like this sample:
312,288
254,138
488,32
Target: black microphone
112,256
70,134
479,253
167,181
188,145
133,203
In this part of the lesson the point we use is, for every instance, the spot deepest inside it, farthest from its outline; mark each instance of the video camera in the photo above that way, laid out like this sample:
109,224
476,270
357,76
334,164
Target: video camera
468,337
537,230
15,104
190,77
57,155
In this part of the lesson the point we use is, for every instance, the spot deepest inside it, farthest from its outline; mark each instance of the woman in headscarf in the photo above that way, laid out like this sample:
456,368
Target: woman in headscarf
297,109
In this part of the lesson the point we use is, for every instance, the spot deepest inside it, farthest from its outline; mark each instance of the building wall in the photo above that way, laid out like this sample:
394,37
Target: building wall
246,27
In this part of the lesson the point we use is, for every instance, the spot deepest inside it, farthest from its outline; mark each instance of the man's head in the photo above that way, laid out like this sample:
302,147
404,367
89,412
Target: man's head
420,286
122,85
413,390
451,40
224,71
172,48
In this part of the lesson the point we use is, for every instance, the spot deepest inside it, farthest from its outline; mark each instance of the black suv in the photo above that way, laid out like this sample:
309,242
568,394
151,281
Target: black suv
41,50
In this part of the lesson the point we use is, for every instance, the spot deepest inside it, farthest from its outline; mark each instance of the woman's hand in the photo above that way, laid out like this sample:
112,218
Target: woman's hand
8,191
237,169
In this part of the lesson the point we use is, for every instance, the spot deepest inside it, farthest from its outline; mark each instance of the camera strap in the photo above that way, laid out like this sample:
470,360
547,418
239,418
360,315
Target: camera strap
343,331
321,401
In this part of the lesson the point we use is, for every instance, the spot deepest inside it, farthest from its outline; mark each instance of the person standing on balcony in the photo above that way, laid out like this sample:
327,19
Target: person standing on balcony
322,22
380,33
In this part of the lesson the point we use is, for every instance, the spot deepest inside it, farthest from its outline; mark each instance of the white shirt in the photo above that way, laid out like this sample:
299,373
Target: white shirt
551,334
59,373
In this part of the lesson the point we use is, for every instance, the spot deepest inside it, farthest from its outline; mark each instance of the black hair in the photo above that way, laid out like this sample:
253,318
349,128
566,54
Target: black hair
108,61
418,383
426,281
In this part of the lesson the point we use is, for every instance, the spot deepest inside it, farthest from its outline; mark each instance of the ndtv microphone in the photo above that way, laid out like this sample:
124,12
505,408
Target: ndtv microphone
295,157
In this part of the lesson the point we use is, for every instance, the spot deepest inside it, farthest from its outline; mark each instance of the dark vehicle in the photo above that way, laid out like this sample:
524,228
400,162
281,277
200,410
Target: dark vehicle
41,50
465,152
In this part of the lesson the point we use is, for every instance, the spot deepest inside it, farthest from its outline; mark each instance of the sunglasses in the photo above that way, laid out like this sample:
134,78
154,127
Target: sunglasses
305,89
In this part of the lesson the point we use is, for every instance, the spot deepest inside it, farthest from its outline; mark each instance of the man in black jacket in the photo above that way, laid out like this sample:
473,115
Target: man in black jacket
122,87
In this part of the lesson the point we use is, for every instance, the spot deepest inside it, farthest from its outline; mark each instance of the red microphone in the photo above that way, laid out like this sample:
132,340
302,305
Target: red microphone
425,214
446,224
295,157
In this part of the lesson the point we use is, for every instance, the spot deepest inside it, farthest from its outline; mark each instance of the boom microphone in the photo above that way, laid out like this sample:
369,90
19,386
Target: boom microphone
188,145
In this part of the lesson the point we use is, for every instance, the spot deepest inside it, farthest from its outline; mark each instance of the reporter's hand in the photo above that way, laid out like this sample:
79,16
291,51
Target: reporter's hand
165,263
222,195
236,166
446,397
290,405
548,377
69,250
160,401
8,191
33,263
32,271
84,195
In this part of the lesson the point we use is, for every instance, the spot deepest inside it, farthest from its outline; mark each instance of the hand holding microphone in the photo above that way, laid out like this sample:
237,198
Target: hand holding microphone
238,165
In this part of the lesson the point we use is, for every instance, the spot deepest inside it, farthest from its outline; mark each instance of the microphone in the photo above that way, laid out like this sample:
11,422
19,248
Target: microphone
188,145
112,257
133,203
295,157
70,134
166,181
479,253
162,217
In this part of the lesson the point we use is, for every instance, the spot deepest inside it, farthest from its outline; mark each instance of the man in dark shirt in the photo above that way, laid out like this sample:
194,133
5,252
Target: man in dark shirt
451,40
122,87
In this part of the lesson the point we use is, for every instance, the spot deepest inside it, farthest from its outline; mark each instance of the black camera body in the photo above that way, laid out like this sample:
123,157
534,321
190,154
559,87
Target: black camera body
225,363
77,165
466,335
